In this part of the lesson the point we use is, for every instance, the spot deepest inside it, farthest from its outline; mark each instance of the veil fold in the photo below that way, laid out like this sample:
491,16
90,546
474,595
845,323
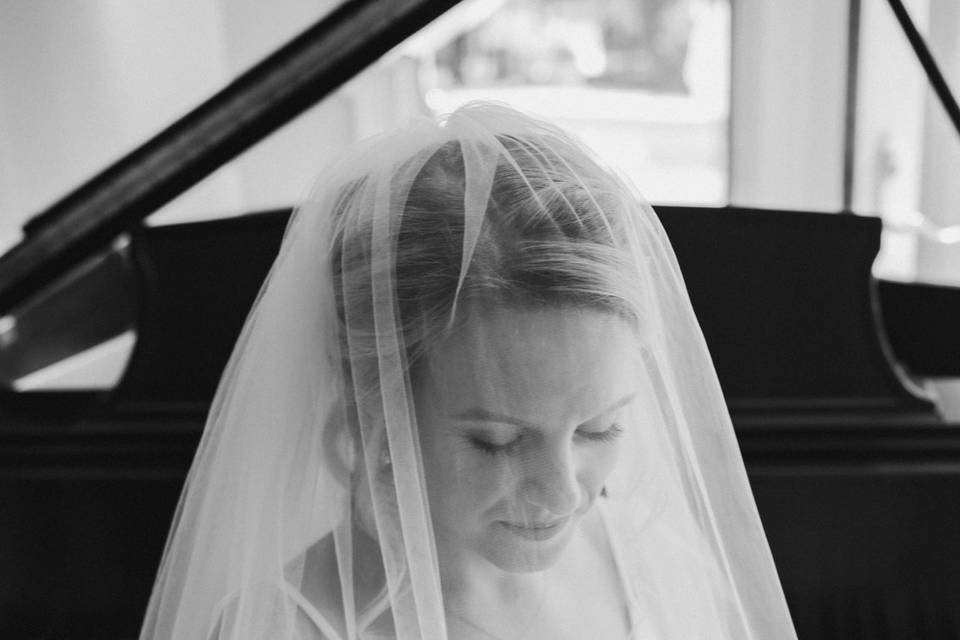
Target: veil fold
312,509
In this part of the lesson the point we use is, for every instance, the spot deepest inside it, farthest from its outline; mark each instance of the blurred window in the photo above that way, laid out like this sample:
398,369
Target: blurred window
645,84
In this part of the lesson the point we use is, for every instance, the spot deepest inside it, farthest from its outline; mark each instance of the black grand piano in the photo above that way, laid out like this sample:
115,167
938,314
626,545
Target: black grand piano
855,472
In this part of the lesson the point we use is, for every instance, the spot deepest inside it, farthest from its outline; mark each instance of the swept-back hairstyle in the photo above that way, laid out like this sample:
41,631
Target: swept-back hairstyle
547,238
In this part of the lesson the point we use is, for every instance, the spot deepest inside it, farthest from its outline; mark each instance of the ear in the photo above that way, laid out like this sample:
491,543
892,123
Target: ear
338,440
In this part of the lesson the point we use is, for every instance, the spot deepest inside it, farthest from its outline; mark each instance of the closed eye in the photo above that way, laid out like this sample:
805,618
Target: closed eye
609,435
507,448
494,448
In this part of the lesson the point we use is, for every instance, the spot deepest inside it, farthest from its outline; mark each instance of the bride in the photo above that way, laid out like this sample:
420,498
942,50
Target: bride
472,401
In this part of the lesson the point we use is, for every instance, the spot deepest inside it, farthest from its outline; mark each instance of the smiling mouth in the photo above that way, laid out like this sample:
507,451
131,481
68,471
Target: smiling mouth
535,530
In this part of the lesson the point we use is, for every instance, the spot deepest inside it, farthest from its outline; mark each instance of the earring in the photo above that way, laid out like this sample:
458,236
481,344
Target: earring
384,460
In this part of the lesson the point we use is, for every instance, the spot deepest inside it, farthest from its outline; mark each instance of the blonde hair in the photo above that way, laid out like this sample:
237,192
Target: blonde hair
552,235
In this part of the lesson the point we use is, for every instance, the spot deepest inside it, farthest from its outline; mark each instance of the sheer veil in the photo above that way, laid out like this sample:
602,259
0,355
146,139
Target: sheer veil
473,370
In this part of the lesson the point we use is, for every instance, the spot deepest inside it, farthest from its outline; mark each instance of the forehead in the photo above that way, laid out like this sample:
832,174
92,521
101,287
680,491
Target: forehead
540,363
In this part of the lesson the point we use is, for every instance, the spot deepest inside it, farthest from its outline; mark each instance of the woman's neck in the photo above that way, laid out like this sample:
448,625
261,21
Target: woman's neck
476,583
484,601
482,596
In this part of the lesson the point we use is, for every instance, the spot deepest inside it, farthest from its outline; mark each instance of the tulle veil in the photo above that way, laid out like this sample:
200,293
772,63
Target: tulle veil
308,511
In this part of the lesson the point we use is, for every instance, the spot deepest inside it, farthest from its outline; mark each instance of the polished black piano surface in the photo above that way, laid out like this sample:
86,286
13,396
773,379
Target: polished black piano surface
855,472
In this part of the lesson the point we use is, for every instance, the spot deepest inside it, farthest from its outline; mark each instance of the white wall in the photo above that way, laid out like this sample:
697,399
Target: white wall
82,82
788,100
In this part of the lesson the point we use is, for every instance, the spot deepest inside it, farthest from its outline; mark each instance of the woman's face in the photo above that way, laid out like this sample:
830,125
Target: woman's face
519,417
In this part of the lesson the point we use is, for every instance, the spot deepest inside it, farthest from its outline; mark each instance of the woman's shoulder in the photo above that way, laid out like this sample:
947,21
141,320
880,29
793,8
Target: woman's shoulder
267,611
324,594
308,597
315,577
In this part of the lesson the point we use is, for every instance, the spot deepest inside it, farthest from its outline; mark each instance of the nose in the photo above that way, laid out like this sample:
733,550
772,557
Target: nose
550,482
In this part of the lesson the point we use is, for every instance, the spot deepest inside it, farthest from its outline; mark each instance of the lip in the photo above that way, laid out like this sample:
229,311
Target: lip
537,530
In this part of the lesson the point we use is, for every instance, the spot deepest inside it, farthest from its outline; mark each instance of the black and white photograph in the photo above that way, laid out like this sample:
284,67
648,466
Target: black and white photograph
479,320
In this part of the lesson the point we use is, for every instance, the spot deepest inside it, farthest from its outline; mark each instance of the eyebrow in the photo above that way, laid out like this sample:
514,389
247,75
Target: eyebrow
479,414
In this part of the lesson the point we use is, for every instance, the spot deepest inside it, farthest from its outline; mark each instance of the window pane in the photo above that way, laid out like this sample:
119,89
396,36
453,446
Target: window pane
646,84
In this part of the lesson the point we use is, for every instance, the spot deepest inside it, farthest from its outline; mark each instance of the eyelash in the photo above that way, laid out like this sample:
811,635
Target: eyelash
491,449
611,434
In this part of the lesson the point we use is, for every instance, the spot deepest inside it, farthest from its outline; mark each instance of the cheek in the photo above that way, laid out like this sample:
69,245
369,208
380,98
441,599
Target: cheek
461,483
596,465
